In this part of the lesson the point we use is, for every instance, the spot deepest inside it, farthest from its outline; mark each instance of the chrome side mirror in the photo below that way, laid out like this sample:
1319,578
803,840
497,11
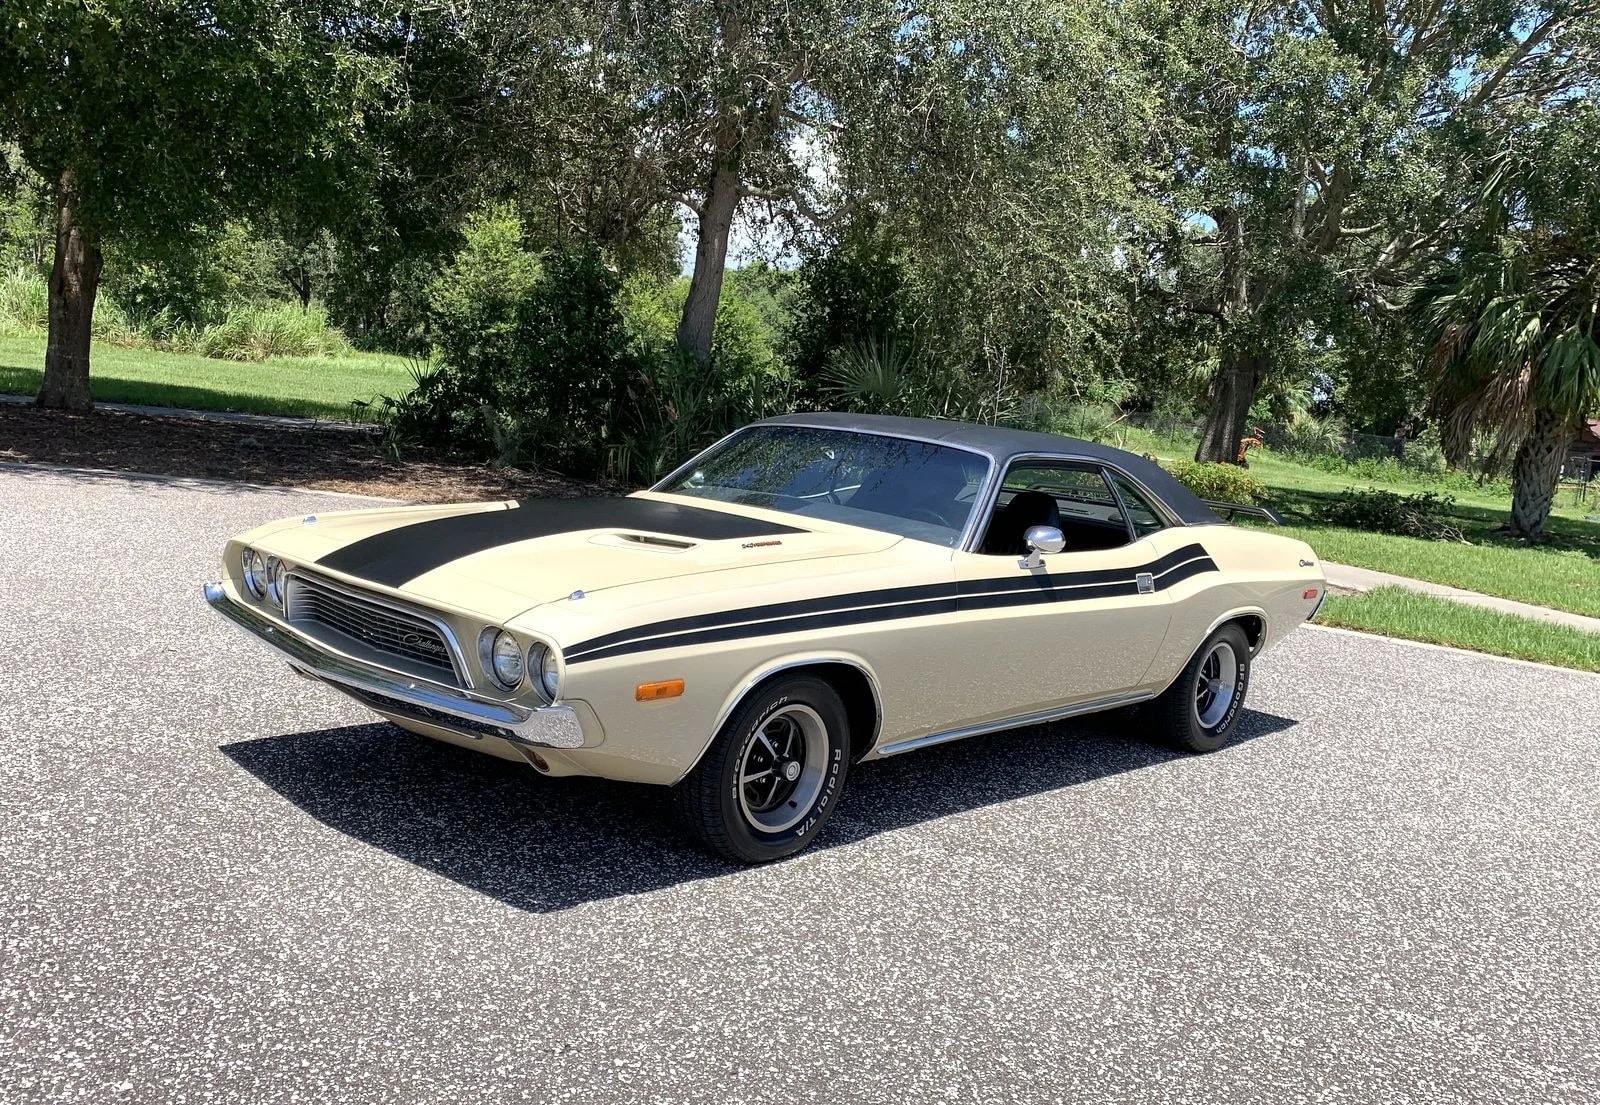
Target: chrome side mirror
1041,540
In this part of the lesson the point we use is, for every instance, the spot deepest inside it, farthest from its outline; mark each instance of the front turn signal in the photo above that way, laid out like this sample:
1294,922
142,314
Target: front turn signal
650,692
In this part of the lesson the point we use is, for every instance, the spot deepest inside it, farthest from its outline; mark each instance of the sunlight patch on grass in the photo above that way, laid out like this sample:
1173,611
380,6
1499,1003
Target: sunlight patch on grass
318,387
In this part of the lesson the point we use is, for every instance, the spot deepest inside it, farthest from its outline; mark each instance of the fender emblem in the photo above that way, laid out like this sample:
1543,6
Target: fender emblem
1147,583
1308,563
759,544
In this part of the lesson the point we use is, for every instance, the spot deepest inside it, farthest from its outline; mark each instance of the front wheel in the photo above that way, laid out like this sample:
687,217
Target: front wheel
772,777
1201,709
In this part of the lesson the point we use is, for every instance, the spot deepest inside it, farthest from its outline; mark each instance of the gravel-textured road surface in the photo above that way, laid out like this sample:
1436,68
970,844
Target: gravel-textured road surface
220,883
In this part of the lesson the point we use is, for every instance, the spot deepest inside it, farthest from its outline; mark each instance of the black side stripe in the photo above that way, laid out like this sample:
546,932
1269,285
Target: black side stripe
882,597
892,604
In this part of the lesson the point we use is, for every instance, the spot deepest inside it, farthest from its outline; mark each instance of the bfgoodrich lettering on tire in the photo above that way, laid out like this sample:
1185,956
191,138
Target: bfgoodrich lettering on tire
773,776
1201,709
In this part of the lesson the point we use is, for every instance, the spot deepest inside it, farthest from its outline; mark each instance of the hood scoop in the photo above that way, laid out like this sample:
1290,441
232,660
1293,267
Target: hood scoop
644,542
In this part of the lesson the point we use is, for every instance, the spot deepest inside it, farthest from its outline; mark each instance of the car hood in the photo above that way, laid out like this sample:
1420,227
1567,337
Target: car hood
499,559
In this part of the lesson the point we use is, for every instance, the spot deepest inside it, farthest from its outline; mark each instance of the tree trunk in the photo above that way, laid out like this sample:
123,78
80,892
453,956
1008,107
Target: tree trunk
74,281
1233,390
698,325
1535,473
299,281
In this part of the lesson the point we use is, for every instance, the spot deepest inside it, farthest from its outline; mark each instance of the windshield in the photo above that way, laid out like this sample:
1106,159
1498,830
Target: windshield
912,488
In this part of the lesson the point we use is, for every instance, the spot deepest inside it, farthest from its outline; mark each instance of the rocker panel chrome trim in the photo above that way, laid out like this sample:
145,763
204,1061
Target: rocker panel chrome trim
1018,722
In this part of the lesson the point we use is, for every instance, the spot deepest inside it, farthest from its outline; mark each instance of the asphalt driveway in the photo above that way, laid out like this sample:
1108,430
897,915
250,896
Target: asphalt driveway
221,883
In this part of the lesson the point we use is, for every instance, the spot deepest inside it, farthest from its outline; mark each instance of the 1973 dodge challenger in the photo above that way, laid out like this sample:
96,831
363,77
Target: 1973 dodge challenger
808,593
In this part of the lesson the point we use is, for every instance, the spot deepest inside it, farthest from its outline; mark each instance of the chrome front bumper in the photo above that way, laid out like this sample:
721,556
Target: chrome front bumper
391,692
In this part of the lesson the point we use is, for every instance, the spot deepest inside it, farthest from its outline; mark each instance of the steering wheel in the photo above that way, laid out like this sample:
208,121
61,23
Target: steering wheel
928,514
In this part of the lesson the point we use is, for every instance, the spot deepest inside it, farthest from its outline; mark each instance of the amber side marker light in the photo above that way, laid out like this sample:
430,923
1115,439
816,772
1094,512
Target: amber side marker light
650,692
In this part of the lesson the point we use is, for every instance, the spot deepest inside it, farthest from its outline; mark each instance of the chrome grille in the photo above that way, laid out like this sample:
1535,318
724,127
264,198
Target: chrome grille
389,635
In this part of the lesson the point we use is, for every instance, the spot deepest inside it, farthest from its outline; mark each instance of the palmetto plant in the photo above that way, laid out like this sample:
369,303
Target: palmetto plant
1516,350
875,376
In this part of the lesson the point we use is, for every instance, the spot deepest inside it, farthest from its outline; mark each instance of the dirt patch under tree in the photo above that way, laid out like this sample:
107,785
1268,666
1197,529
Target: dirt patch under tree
330,459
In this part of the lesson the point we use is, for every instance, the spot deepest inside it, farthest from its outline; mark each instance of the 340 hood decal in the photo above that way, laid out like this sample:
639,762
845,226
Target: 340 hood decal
398,556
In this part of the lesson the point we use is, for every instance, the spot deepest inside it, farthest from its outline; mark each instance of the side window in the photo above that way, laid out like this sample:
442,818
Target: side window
1144,518
1074,498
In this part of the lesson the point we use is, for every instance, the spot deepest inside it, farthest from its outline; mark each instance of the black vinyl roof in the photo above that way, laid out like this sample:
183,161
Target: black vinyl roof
1004,444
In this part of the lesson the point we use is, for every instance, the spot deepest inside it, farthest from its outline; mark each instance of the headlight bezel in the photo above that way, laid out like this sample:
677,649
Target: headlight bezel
496,645
536,655
545,669
253,570
277,581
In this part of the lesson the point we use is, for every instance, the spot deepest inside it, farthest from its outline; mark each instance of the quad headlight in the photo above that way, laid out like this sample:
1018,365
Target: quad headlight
264,577
504,660
255,572
277,580
543,660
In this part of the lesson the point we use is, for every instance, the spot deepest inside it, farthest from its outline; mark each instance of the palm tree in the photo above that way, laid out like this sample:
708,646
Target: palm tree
1512,327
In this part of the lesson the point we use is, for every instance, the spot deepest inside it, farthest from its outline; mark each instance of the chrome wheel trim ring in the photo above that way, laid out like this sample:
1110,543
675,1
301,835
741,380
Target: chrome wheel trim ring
783,768
1215,685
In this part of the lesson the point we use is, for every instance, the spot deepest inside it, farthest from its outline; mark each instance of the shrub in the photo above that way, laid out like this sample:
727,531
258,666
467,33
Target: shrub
1424,515
1088,422
1223,483
675,407
24,303
532,358
744,342
1424,453
1307,437
258,333
875,376
478,300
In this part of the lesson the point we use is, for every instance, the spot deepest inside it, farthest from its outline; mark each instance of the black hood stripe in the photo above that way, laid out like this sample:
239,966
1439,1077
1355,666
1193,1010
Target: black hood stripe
398,556
894,604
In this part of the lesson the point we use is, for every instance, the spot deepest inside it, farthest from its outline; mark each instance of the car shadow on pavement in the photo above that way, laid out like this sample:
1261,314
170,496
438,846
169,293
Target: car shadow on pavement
545,844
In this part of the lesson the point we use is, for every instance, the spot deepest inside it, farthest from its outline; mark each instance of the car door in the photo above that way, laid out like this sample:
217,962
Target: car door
1081,626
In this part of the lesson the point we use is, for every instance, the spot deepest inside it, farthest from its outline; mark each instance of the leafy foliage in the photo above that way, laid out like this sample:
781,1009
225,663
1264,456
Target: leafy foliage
532,354
1514,316
1222,483
24,303
1425,514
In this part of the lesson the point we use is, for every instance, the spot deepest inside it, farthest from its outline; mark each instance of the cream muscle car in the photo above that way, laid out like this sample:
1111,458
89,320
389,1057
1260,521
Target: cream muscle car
810,592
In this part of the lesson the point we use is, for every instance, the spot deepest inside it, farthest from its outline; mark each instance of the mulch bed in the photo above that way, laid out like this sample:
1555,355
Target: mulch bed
324,459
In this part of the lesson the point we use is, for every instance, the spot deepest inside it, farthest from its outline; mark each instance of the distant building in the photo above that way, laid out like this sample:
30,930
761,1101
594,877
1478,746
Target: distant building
1586,450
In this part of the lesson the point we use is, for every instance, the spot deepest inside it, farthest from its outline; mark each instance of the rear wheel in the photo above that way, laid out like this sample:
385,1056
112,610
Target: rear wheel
772,777
1201,709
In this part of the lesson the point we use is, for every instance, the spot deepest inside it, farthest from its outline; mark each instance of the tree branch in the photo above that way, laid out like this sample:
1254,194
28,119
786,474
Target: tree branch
1527,46
688,201
815,124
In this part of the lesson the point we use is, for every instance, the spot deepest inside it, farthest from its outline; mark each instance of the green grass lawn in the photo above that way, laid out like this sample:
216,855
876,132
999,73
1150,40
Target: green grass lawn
1566,578
1394,612
312,386
1563,573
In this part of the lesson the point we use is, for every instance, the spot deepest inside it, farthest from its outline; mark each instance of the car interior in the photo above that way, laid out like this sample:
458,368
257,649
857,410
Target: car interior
1076,499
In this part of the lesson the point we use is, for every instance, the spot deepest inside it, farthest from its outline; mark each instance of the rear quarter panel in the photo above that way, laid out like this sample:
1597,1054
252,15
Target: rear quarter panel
1258,573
